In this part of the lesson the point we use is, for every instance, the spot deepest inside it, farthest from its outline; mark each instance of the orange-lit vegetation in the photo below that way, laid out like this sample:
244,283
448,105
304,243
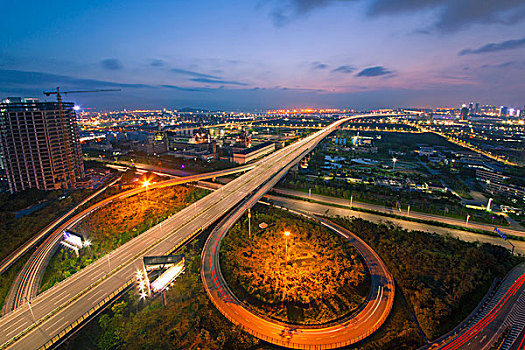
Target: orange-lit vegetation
309,276
191,321
117,223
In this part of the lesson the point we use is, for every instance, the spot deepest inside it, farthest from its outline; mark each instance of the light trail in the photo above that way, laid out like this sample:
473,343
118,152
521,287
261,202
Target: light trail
481,324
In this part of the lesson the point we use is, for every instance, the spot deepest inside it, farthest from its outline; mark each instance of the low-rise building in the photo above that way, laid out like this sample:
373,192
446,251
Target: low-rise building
495,183
487,176
426,151
248,154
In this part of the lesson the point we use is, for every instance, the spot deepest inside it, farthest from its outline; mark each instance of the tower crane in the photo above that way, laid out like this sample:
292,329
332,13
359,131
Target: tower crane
59,96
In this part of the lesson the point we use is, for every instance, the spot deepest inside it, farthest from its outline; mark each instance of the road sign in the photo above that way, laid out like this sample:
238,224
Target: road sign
501,234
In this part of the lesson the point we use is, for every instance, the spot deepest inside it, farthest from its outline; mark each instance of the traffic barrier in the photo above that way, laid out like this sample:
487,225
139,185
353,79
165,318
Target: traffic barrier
83,317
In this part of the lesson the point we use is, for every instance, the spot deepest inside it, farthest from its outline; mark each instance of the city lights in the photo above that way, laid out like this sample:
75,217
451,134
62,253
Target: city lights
286,234
146,184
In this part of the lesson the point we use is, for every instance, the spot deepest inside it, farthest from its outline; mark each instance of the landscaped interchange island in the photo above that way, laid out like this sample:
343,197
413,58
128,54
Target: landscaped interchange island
286,268
440,280
294,270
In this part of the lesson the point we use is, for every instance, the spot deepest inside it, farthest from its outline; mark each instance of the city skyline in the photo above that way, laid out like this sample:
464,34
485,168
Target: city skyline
264,174
264,54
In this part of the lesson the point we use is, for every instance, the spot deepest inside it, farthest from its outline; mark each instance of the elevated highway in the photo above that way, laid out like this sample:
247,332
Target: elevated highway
50,315
347,331
8,261
28,281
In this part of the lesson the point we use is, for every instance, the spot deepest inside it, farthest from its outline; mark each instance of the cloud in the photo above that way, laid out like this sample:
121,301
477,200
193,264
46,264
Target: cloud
303,6
40,80
28,83
501,65
180,88
318,66
374,72
206,78
25,83
157,62
285,10
297,89
217,81
495,47
193,74
344,69
453,15
111,64
450,15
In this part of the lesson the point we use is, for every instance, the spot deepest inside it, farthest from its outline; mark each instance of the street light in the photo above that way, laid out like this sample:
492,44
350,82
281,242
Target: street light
394,160
249,224
286,234
146,183
30,308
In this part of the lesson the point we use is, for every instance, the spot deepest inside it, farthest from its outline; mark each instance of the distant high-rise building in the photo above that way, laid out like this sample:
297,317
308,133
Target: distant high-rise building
39,144
476,109
464,112
503,111
471,108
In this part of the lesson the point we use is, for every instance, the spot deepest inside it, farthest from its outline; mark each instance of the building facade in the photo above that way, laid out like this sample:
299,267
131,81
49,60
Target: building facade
248,154
40,145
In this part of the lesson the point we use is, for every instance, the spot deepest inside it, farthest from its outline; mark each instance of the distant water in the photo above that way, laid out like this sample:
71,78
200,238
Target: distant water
29,210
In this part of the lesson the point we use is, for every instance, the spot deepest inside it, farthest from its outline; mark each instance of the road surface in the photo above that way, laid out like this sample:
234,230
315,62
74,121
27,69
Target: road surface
28,281
65,303
328,210
412,214
334,335
507,311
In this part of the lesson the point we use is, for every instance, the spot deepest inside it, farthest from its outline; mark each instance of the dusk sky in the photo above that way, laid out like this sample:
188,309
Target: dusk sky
265,54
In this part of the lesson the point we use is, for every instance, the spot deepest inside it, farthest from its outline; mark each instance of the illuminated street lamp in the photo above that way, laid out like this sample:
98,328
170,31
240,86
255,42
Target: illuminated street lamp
146,183
30,308
249,224
286,234
394,160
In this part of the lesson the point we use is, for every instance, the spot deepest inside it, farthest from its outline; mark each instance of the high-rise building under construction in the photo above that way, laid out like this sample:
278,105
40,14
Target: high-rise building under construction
39,144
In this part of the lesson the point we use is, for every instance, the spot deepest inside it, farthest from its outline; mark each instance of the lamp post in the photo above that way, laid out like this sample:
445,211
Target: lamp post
146,183
249,224
394,160
286,234
30,308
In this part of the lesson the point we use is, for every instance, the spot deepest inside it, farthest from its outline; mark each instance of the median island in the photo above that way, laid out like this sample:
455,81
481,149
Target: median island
293,270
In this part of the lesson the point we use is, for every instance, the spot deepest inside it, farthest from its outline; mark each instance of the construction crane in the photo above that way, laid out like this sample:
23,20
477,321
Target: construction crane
63,124
59,96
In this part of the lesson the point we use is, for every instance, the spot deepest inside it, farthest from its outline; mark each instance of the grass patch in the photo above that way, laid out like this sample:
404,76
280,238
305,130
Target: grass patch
406,218
442,278
312,276
15,231
8,277
189,320
117,223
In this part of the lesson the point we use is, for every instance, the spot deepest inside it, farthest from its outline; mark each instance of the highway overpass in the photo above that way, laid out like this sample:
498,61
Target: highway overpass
352,329
28,281
56,311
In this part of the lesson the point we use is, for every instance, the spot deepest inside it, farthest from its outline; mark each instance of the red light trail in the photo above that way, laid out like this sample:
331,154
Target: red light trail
481,324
